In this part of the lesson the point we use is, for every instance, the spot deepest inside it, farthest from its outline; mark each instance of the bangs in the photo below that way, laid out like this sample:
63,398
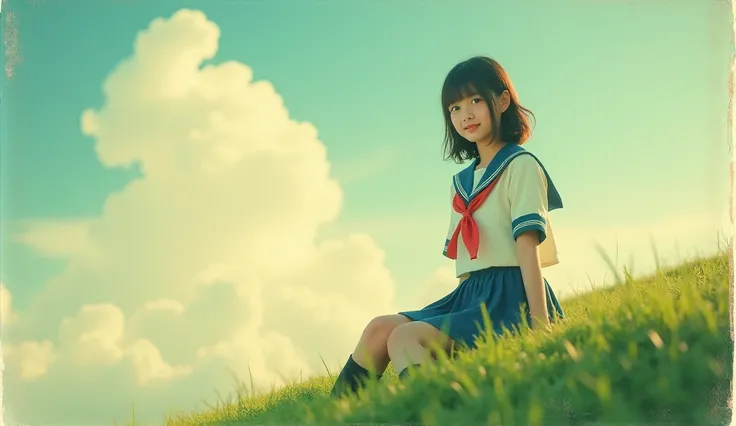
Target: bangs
461,82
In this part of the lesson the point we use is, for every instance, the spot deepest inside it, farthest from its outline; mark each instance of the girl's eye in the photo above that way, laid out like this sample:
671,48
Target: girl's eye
476,100
453,108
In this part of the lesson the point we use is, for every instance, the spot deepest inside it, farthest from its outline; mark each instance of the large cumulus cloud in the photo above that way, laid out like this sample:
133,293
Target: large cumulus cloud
208,264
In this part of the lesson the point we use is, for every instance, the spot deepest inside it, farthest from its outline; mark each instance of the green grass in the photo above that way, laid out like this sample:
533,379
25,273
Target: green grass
653,350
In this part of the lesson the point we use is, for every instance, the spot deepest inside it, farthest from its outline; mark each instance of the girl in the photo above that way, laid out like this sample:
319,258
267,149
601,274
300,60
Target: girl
500,235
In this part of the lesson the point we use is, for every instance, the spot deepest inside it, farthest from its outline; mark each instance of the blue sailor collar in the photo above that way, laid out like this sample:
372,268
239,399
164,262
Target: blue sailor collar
463,181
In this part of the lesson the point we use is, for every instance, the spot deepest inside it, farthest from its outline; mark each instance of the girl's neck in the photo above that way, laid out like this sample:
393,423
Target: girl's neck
487,152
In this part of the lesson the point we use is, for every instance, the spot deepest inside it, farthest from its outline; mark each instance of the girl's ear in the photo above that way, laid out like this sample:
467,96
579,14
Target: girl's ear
505,99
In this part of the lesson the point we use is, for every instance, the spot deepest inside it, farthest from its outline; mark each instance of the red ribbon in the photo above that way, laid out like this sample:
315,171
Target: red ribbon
467,224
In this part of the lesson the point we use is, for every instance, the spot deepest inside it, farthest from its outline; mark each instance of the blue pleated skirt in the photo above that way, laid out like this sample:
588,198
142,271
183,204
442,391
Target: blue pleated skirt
460,313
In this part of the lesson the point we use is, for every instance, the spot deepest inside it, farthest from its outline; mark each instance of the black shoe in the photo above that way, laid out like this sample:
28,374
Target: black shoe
350,379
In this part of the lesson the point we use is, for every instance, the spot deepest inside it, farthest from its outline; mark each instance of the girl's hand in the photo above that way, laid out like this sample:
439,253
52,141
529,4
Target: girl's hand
541,323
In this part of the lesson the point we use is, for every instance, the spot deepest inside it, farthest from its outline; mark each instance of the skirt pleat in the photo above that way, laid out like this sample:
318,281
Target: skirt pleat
460,313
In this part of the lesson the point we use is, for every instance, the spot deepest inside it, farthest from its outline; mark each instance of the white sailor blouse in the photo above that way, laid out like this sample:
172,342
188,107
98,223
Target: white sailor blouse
491,207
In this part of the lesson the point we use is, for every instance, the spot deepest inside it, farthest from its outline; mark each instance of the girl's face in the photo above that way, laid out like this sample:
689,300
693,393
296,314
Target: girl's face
471,118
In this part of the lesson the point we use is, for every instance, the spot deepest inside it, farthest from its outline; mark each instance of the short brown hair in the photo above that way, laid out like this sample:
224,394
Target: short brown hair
482,76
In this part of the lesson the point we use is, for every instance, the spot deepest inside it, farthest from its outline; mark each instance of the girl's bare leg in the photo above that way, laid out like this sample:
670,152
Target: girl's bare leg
414,343
370,355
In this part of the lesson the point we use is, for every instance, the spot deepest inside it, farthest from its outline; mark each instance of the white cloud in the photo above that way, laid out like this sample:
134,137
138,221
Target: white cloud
438,285
58,239
94,335
148,364
31,358
163,305
7,314
207,264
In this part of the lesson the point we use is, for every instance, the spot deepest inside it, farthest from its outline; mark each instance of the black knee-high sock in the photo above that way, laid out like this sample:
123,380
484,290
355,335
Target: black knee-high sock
405,372
350,378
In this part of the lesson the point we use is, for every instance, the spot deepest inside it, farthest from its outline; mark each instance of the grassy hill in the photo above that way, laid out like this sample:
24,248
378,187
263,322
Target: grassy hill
654,350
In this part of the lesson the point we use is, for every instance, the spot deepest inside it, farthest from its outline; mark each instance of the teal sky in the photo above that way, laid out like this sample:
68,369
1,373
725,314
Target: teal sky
631,101
630,98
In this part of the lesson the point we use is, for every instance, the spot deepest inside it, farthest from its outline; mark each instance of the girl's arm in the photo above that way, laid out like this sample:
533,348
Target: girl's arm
528,203
531,272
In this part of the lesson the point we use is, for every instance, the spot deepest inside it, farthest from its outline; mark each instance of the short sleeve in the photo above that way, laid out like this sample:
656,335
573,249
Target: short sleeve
528,197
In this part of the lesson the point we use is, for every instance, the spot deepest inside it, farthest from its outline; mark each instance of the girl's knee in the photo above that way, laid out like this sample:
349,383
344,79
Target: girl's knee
379,328
384,324
400,335
418,332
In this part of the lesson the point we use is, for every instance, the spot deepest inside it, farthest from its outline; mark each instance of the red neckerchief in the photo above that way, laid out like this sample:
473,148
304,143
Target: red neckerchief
467,224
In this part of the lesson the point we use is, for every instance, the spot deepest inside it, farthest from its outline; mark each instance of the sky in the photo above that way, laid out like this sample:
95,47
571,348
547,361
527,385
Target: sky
192,189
